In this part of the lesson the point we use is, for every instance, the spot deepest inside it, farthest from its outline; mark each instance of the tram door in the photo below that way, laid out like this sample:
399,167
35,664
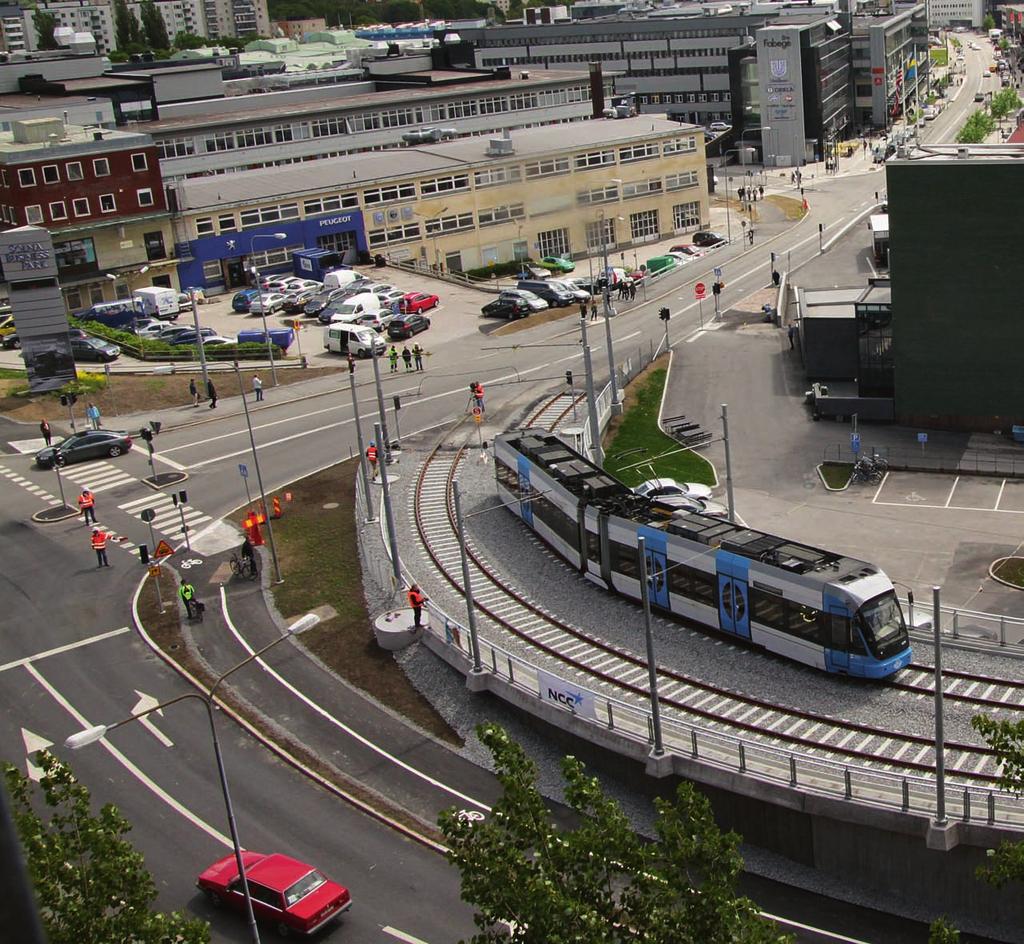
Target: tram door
525,506
655,560
838,639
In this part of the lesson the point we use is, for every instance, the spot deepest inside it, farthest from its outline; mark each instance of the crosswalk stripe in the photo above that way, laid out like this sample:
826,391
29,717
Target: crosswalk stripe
104,481
140,503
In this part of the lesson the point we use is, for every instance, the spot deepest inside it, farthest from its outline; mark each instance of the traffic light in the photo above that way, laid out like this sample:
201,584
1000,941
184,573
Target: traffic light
68,399
398,403
155,426
144,553
664,314
568,377
716,288
146,433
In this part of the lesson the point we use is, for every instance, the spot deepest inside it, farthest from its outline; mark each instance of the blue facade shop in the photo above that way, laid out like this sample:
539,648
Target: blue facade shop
222,263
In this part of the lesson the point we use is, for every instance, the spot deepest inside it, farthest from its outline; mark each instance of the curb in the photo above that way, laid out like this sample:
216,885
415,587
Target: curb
1006,583
830,488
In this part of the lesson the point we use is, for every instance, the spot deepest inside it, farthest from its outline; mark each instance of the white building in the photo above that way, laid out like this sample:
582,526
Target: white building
956,13
236,17
179,16
79,16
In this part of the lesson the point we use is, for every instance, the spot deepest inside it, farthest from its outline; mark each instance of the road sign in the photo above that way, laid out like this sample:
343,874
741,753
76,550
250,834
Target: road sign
700,290
154,570
163,549
148,514
922,438
718,272
477,411
243,470
855,442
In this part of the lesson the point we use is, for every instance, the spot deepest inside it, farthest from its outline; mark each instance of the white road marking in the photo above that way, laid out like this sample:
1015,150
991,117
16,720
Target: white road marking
139,775
999,497
148,703
339,724
402,936
33,742
952,489
60,649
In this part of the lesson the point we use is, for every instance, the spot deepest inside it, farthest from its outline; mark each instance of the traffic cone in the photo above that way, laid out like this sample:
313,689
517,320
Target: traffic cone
277,507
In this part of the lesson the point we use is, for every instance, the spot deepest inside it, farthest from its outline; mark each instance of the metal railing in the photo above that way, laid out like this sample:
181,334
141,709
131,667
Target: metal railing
926,459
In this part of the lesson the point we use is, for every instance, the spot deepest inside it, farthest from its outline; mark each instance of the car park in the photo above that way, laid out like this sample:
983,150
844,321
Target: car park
189,336
507,306
94,349
242,301
535,302
405,326
378,320
82,446
664,486
278,283
267,303
295,300
418,301
578,294
391,299
557,264
296,897
708,240
555,295
321,300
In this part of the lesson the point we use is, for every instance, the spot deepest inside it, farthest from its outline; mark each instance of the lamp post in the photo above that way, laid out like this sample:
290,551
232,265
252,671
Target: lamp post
128,276
200,346
99,731
263,314
606,298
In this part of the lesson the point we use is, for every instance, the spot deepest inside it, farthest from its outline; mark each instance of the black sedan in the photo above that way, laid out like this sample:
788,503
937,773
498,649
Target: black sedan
79,447
94,349
708,240
405,326
506,307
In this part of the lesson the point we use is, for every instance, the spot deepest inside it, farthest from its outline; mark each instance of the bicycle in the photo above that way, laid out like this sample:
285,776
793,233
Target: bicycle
871,470
244,567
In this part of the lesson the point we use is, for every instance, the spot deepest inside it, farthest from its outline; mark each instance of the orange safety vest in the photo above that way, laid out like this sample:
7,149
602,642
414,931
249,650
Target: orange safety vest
416,598
86,500
99,540
478,391
371,453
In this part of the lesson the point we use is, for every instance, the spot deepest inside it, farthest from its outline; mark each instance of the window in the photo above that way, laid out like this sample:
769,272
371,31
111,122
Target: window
145,197
212,271
154,243
331,204
268,214
139,162
554,242
204,226
681,181
445,184
449,224
393,234
226,223
604,194
500,214
686,215
496,176
389,193
594,236
107,203
641,188
639,152
327,127
58,210
81,206
26,177
73,170
691,583
624,560
176,147
34,213
76,257
594,159
644,225
101,167
73,299
548,168
51,174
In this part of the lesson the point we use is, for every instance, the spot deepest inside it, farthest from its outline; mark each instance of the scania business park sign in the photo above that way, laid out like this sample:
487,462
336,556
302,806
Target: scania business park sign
557,691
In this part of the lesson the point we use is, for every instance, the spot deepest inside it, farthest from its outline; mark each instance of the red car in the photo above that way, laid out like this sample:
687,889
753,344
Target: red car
417,301
297,898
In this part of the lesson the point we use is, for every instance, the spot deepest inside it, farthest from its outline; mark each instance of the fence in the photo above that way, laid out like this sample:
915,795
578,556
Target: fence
971,462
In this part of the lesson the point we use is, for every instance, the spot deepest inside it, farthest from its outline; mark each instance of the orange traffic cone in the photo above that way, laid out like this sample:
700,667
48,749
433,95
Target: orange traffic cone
277,507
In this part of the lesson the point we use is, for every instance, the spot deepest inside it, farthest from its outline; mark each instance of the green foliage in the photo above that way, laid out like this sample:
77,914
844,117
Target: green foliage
189,41
598,883
153,27
44,23
942,932
126,26
147,348
978,127
90,883
1004,103
1006,738
989,22
1004,43
86,382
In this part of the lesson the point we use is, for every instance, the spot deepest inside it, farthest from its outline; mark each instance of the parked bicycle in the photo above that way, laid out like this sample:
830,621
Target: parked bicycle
242,566
869,469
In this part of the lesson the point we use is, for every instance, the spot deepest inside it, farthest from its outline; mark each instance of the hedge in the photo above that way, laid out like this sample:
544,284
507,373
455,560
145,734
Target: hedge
148,349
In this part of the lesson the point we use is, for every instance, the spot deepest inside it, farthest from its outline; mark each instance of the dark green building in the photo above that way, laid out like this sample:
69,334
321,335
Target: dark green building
956,223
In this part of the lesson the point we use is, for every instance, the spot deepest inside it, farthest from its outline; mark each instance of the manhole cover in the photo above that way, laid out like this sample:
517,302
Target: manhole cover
329,505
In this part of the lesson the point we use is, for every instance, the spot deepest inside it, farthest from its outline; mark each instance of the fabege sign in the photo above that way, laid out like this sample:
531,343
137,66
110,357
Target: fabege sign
566,695
28,256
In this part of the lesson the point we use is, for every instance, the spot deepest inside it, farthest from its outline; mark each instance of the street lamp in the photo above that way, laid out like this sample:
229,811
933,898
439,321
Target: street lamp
127,277
263,314
606,297
97,732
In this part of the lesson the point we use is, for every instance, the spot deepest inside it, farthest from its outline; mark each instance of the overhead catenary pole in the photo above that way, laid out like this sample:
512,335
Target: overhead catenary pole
389,518
728,464
199,339
652,667
152,541
365,475
940,741
381,412
263,314
595,430
467,583
607,308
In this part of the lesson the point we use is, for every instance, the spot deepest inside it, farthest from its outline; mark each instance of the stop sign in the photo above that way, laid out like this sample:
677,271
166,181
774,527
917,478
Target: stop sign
700,290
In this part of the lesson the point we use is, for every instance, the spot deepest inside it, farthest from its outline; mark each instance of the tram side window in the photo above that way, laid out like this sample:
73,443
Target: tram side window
506,476
803,621
767,609
593,547
558,522
692,583
624,560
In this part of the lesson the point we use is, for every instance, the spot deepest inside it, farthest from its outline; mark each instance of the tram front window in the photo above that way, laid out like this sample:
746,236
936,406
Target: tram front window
881,621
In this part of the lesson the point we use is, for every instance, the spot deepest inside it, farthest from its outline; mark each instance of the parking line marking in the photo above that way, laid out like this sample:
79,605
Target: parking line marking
59,649
952,489
999,497
402,936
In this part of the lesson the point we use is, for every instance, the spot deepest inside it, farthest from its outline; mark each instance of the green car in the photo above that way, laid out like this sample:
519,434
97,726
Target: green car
557,264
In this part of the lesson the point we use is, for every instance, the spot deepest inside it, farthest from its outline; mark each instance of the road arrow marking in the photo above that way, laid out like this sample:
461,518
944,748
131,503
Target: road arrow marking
33,743
148,703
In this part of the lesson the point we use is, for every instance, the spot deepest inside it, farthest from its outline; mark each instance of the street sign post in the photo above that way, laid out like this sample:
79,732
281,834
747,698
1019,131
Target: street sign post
163,549
855,443
700,290
243,470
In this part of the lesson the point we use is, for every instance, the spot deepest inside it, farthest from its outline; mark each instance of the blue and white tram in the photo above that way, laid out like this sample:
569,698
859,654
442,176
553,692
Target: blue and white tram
817,607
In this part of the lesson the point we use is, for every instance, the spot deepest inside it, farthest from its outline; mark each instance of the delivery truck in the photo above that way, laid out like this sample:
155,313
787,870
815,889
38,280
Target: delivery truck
158,302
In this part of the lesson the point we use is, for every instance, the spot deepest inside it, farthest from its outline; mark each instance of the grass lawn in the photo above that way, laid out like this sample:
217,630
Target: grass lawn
316,546
940,57
636,437
1011,570
836,474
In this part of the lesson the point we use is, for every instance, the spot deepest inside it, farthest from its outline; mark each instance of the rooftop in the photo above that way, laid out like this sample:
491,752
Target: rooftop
357,169
966,153
75,139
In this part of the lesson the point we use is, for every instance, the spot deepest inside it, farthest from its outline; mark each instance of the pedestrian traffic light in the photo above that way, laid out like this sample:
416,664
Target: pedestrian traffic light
146,434
155,426
664,314
144,553
716,288
568,377
398,403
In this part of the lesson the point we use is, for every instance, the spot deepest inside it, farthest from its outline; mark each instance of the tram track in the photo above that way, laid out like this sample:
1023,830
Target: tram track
513,621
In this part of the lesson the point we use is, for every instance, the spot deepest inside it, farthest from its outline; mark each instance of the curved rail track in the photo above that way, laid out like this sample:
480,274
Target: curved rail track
509,619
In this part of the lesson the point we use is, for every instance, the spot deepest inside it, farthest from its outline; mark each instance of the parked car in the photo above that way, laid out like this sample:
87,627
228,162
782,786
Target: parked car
88,444
295,301
147,327
266,304
94,349
578,293
278,283
688,250
322,299
708,240
243,300
217,340
508,307
535,302
557,264
10,341
378,320
405,326
579,283
719,126
189,336
391,299
662,487
418,301
296,897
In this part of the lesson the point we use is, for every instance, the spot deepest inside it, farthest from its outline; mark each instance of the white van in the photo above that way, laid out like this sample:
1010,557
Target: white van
352,309
158,302
339,278
355,339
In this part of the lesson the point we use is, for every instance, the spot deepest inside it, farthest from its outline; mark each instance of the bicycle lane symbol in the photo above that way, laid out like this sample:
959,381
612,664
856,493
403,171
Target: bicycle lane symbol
190,563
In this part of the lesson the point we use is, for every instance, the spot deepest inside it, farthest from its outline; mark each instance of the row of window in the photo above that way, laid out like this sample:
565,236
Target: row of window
397,232
51,173
57,210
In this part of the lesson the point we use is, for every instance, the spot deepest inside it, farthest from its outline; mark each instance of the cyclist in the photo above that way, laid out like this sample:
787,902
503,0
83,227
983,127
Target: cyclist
248,555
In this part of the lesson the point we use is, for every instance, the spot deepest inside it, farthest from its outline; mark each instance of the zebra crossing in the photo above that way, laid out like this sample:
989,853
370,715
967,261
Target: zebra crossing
29,486
97,476
167,516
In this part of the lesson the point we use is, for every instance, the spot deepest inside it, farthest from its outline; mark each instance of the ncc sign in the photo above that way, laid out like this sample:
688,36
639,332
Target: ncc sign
557,691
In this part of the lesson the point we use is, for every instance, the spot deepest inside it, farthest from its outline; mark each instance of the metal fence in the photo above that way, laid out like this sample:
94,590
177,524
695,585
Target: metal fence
924,459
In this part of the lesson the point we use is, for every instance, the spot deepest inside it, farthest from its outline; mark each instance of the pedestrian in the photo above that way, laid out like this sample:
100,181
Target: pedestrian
99,545
593,311
792,335
351,362
193,392
583,309
87,506
476,393
417,353
632,291
407,357
393,359
371,457
416,601
44,428
739,192
761,191
92,414
776,278
257,387
807,206
750,236
188,595
211,392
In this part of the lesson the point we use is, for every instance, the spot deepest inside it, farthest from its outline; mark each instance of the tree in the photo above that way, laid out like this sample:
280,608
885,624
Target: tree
127,31
153,27
1004,103
598,883
942,932
90,882
45,23
1006,738
978,127
989,22
185,40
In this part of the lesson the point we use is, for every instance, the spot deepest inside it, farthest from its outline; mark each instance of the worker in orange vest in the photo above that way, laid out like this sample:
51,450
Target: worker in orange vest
416,601
99,545
371,457
87,506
